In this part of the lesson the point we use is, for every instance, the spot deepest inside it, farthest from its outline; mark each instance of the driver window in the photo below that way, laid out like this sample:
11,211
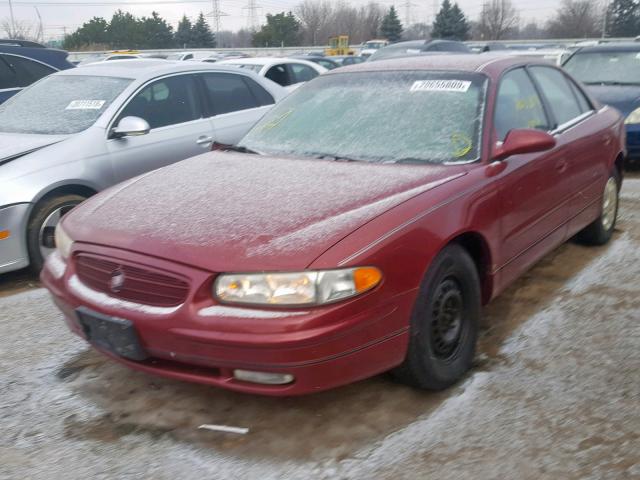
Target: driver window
518,105
165,102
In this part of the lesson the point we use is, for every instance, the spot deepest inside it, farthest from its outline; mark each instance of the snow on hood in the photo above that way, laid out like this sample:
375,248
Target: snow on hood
241,212
14,145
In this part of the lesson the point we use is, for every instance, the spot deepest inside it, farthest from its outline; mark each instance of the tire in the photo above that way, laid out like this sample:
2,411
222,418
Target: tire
600,231
442,344
42,224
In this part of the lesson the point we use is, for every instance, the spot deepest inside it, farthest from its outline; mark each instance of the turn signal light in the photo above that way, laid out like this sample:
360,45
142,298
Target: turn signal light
366,278
4,234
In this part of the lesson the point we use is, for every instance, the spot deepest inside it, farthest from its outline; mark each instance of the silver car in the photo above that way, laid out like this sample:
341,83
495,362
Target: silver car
79,131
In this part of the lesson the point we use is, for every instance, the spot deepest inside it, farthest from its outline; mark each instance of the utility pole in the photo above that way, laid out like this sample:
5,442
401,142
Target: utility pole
12,34
605,19
436,9
40,34
407,12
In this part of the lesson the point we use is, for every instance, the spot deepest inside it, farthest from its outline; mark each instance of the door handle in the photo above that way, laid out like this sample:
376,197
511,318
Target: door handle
204,140
562,165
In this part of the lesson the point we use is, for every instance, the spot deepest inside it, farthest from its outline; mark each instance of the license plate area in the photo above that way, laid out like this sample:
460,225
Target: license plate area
115,335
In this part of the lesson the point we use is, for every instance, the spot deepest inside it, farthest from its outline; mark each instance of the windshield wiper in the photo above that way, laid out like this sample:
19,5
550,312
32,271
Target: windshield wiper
232,148
613,83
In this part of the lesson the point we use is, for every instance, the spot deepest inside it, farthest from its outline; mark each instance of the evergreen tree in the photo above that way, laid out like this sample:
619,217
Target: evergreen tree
624,18
156,32
184,35
124,30
201,34
391,28
450,23
93,32
281,29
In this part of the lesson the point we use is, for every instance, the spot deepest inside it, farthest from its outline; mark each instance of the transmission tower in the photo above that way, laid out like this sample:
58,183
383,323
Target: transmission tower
252,15
407,11
216,14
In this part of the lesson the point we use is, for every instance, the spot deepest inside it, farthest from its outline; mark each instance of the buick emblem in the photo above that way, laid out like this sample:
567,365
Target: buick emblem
117,280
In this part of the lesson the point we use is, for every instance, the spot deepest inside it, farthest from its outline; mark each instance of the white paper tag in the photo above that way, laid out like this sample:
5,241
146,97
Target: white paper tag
85,105
460,86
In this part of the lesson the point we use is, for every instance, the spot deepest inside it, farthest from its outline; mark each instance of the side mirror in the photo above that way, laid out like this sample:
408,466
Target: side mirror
130,127
524,141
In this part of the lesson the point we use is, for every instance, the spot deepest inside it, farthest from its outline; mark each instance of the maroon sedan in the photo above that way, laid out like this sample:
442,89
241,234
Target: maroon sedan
359,228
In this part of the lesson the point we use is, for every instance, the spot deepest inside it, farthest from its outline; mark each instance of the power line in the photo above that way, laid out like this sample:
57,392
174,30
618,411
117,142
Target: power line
252,15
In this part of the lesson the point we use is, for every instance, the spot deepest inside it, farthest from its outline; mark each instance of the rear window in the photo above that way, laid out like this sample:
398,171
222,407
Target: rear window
18,72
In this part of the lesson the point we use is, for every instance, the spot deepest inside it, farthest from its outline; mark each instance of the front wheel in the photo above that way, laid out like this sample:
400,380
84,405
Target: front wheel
444,323
42,226
601,230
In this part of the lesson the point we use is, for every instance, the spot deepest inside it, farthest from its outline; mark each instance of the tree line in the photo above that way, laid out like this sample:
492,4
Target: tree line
124,30
313,22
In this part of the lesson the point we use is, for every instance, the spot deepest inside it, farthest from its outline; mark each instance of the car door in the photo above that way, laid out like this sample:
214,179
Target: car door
173,108
235,102
579,132
532,190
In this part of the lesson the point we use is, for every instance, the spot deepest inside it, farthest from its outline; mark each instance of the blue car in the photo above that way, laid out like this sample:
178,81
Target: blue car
611,73
22,63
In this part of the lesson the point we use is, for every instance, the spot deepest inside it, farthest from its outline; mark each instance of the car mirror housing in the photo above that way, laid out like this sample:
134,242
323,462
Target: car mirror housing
522,141
130,127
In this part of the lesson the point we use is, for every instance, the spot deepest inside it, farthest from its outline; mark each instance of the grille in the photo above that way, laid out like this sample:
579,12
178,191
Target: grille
131,283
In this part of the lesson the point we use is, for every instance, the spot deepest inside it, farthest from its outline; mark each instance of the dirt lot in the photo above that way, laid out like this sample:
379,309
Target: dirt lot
555,394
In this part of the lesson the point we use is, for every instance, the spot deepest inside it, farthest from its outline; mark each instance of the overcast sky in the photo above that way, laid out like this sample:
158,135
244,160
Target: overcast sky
57,17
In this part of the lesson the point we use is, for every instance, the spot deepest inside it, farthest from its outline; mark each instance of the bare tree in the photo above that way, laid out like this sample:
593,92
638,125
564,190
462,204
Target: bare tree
370,16
314,15
417,31
20,30
576,19
498,19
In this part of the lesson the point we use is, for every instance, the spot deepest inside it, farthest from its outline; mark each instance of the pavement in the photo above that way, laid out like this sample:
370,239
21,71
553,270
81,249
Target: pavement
554,394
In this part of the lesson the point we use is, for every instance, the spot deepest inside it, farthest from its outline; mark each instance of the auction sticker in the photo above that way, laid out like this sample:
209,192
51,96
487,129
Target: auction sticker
460,86
85,105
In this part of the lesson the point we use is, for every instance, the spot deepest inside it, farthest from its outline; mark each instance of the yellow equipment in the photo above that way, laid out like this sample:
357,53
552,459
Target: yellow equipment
339,46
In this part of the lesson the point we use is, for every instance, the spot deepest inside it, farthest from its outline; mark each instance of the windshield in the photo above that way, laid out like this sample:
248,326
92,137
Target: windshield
605,67
399,50
374,45
60,104
413,117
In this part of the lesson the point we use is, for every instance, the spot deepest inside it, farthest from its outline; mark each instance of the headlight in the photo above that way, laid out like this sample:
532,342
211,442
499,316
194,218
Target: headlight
63,241
633,118
299,288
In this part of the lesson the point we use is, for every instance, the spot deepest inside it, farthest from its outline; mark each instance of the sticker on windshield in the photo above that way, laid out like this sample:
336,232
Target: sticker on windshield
460,86
85,105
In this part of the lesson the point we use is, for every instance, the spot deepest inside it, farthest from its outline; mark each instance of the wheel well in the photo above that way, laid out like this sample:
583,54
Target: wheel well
63,190
477,246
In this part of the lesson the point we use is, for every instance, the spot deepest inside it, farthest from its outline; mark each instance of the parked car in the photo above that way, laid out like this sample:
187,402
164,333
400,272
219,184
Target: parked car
23,63
79,131
482,47
413,48
611,73
371,47
331,246
344,60
327,62
92,60
287,72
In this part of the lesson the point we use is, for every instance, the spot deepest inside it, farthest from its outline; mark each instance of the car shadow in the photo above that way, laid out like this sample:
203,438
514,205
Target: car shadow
17,281
335,424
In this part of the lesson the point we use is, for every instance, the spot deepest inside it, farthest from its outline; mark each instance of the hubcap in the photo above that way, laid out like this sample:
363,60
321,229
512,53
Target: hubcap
609,204
46,237
446,319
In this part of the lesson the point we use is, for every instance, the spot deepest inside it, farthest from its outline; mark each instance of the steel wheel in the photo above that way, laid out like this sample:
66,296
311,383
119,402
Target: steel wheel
446,323
609,203
46,237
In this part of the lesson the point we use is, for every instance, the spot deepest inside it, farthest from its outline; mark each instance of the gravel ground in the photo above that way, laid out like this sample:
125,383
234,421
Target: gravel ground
554,394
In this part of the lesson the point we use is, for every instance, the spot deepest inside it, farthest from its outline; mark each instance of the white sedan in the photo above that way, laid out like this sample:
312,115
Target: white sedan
287,72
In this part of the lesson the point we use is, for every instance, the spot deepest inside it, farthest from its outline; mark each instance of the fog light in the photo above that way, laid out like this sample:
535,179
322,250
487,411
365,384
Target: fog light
263,377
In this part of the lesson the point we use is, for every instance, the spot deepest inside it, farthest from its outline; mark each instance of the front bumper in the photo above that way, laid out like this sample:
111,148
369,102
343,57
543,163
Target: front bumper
322,347
13,249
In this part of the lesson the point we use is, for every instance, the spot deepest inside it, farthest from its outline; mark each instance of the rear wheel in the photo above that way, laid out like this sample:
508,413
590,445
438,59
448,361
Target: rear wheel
444,324
42,226
601,230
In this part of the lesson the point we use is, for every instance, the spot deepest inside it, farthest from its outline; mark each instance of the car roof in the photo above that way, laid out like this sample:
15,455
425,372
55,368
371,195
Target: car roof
142,68
613,47
467,62
51,56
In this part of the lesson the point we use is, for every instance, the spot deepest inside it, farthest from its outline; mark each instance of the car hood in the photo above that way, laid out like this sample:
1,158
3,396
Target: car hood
15,145
624,98
240,212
